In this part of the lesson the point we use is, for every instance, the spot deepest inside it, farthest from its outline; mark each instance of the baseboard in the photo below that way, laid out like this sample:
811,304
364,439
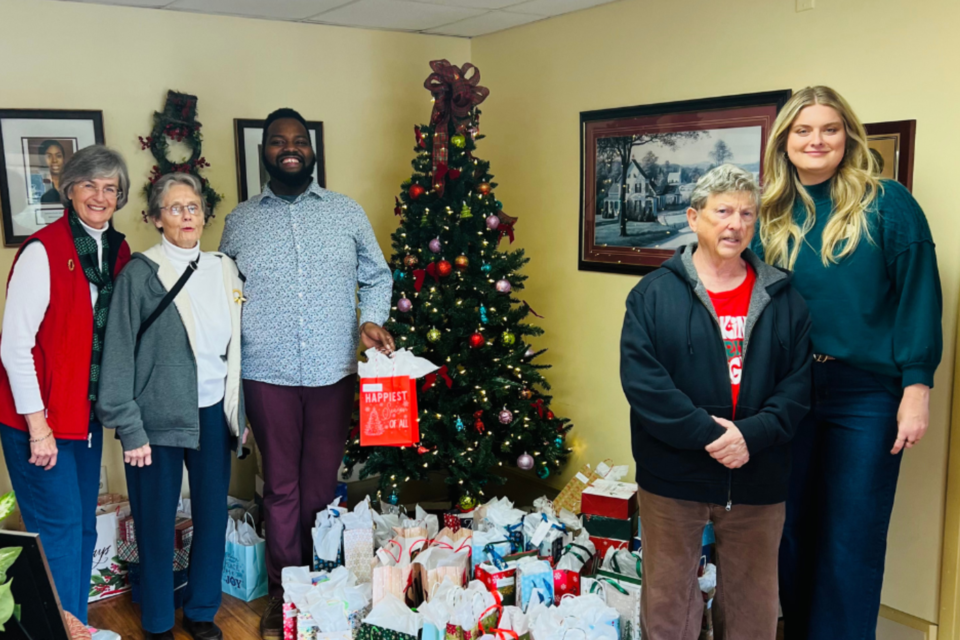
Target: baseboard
929,629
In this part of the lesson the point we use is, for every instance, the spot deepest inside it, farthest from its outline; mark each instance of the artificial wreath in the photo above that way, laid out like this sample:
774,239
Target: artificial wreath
178,122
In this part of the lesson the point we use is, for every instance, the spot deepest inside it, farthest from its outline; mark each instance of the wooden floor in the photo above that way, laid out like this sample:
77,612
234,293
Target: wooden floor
237,619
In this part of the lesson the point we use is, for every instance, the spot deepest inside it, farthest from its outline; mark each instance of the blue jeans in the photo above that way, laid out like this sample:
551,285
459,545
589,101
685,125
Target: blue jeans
842,487
60,505
154,493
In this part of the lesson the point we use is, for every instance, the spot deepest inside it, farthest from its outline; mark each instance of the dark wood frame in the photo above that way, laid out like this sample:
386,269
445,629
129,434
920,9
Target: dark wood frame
95,117
907,130
634,260
239,124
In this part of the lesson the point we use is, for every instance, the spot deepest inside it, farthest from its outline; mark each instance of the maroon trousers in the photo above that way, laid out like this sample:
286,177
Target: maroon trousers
302,434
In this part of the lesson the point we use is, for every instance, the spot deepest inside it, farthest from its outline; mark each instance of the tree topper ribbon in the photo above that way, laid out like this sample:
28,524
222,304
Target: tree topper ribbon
419,275
431,379
538,405
456,93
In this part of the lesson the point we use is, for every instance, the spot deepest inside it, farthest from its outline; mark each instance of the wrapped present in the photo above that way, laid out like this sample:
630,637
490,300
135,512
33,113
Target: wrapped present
565,583
451,520
622,565
614,528
534,582
437,564
611,499
570,495
126,530
603,545
390,619
489,545
577,554
546,534
358,553
501,580
289,621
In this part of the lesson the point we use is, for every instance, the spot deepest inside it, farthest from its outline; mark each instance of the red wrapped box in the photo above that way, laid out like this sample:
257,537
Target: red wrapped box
610,499
565,582
451,520
602,545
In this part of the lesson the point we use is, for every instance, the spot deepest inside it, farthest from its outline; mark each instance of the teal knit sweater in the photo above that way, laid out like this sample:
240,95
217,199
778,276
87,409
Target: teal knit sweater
879,308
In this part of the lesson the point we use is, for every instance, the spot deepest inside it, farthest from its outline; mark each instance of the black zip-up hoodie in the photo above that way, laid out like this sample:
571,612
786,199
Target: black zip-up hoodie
673,367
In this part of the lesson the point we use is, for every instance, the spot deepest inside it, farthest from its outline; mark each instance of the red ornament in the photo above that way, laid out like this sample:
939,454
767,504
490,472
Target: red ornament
462,262
416,191
410,261
422,449
444,268
478,423
550,415
477,340
484,188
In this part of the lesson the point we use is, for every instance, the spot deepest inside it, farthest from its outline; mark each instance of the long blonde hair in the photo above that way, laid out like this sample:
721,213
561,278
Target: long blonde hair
853,190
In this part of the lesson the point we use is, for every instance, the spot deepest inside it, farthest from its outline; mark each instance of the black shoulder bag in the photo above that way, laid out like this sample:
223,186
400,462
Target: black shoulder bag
167,299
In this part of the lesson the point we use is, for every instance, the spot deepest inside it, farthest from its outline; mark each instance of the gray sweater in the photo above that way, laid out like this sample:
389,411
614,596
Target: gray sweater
149,393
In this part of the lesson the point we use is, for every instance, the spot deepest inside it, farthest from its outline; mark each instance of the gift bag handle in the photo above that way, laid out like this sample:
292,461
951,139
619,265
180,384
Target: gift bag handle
387,551
569,629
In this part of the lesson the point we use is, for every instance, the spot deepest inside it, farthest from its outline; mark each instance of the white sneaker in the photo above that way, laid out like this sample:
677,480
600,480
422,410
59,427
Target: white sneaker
102,634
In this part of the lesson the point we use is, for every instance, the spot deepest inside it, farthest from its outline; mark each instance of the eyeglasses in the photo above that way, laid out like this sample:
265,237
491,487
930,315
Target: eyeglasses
111,192
179,209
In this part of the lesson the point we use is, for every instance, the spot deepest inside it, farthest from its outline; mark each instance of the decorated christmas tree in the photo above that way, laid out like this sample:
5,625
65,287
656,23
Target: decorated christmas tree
455,302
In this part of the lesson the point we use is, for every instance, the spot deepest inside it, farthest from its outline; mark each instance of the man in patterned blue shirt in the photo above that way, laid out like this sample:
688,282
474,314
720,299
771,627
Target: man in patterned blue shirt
310,259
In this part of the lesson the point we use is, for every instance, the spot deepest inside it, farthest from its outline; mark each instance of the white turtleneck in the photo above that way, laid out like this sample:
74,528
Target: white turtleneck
28,297
211,318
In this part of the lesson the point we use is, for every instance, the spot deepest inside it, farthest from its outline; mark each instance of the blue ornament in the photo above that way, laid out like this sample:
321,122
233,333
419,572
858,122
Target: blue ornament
399,275
393,498
485,268
559,441
460,425
483,314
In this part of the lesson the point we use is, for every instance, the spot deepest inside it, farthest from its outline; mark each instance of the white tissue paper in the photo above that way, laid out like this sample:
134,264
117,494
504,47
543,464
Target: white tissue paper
423,519
328,533
360,518
588,614
392,614
574,557
401,363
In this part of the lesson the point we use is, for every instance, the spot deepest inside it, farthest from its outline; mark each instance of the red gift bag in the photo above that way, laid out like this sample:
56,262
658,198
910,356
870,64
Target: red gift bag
388,412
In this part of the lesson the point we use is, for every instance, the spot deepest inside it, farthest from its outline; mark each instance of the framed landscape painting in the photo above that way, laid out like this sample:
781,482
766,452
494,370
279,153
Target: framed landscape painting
891,144
638,167
34,146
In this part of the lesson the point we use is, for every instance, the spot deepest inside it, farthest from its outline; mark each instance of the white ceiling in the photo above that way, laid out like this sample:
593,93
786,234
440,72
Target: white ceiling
464,18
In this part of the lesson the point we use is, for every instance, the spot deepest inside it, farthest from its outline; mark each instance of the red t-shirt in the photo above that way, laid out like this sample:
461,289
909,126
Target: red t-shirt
732,308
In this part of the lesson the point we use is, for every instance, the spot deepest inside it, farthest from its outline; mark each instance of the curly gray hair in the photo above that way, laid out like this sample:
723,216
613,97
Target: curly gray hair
726,178
96,162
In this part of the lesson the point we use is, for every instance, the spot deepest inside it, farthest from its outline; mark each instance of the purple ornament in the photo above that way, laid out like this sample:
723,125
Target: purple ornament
505,417
435,245
404,305
525,461
493,222
504,286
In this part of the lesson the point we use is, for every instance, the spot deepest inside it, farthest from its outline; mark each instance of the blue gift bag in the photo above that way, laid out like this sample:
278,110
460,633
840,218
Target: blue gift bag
527,582
245,566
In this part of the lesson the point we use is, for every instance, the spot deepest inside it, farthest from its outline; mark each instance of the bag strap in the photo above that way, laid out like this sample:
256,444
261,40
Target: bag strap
167,299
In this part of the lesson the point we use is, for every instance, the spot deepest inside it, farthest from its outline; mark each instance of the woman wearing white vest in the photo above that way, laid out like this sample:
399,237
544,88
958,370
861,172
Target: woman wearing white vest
171,388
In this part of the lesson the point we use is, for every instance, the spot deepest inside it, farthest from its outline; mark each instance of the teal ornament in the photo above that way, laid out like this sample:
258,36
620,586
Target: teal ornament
486,268
543,472
398,275
394,498
559,441
460,425
483,315
499,205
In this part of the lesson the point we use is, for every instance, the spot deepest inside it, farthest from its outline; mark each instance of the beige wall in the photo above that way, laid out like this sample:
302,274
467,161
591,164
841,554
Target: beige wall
892,59
365,85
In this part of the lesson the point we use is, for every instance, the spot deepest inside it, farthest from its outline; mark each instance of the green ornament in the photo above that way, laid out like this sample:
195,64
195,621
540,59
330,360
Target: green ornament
499,205
508,338
467,503
433,335
458,141
465,212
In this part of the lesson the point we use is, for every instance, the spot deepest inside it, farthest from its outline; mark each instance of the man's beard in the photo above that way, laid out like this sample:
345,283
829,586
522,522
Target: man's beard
291,179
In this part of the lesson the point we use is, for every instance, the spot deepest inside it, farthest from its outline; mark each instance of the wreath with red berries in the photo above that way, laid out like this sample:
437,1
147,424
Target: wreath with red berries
178,122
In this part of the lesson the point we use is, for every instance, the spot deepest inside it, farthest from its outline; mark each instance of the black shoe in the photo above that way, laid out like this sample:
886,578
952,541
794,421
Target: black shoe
202,630
271,624
166,635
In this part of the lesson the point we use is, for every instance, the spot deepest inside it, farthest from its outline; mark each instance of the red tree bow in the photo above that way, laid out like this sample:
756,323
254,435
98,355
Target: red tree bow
538,405
431,379
397,210
456,93
506,229
419,275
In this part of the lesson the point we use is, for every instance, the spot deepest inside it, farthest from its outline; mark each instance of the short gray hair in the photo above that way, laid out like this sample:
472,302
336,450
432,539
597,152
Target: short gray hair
96,162
160,188
726,178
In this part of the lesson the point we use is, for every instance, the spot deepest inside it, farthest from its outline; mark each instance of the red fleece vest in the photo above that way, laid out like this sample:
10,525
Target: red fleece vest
62,352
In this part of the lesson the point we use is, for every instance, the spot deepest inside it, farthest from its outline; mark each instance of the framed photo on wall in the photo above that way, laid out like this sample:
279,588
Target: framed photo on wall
638,167
252,176
34,146
891,144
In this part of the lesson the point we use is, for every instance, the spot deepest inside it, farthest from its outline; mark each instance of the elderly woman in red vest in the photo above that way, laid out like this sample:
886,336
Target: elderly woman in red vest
53,326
